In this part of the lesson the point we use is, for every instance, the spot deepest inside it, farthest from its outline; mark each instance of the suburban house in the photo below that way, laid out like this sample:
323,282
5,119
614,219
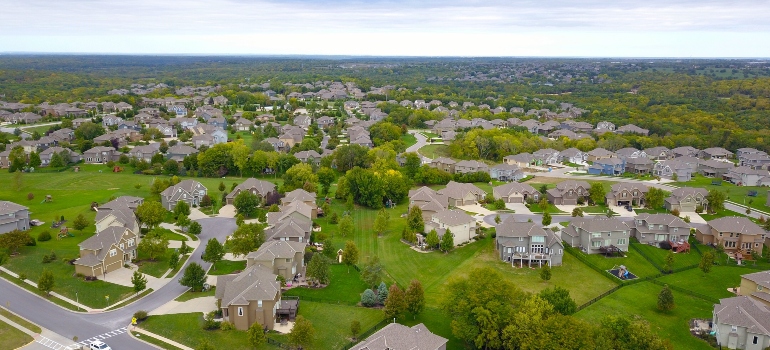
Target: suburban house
569,192
527,242
219,122
685,151
656,228
189,191
736,234
522,160
99,155
754,160
458,193
445,164
144,152
284,258
291,226
303,121
573,155
746,176
428,200
299,195
757,286
659,153
625,193
106,251
599,154
546,156
461,225
258,187
630,152
639,165
687,199
243,124
470,166
605,125
310,157
506,172
179,151
184,123
118,213
68,155
682,167
715,153
597,234
632,129
395,336
515,192
253,295
13,217
714,168
608,166
741,323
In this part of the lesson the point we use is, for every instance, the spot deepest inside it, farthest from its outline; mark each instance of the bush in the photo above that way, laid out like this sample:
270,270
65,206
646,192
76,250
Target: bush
49,258
675,212
22,276
209,323
140,315
699,209
80,275
686,219
368,299
226,326
30,196
44,236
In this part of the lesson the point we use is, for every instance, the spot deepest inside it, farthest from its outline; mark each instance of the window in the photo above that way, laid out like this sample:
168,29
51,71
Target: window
288,260
596,244
621,241
755,340
521,239
596,235
240,311
131,242
510,250
659,238
113,252
561,251
259,303
538,239
676,229
121,246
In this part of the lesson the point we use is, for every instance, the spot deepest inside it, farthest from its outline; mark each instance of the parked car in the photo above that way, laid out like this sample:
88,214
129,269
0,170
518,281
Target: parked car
629,208
97,345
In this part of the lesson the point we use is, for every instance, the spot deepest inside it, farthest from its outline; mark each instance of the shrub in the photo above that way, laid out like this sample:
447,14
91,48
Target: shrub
675,212
140,315
49,257
226,326
90,278
699,209
30,196
22,276
80,275
368,299
209,322
44,236
686,219
334,219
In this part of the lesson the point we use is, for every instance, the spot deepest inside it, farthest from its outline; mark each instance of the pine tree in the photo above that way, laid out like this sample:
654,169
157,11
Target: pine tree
256,335
382,293
545,272
447,241
666,299
139,281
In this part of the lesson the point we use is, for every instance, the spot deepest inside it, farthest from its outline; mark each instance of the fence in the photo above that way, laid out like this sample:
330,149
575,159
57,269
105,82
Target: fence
578,255
590,302
365,334
278,344
644,255
688,292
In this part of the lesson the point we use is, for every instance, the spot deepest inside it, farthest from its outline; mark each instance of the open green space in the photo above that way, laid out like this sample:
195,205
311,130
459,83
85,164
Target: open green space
226,267
435,151
22,322
737,194
408,139
187,329
12,338
345,285
188,295
714,284
641,300
35,291
130,300
156,268
41,129
535,208
635,263
659,255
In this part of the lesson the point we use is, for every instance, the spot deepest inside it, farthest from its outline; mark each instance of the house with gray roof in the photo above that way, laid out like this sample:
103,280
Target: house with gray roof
189,191
714,168
741,323
626,193
285,258
470,166
522,160
443,163
546,156
69,156
13,217
656,228
737,234
632,129
754,160
687,199
144,152
527,242
640,165
106,251
506,172
593,235
462,193
630,152
715,153
659,153
310,157
599,154
757,286
460,225
685,151
682,168
573,155
515,192
252,296
428,200
179,151
100,155
260,188
608,166
569,192
395,336
746,176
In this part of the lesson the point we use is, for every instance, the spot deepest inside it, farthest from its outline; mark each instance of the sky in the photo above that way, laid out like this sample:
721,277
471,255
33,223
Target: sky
541,28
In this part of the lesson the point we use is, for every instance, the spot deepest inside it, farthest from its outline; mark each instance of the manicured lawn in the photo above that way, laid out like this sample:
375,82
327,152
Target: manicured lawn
713,284
659,255
635,263
12,338
192,295
22,322
130,300
187,329
408,139
641,300
34,290
435,151
171,235
720,214
154,341
226,267
535,208
344,286
155,268
737,194
182,260
652,211
332,322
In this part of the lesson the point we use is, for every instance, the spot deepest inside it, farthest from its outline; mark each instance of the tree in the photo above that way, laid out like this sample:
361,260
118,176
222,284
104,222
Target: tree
256,335
34,160
716,201
89,131
319,269
412,164
296,176
382,293
222,186
497,219
368,298
577,212
325,178
415,298
706,262
246,239
302,335
395,304
194,277
666,299
173,260
432,241
139,281
57,161
150,213
546,219
545,272
355,328
206,201
350,254
183,221
668,262
329,250
414,219
46,282
597,193
543,204
447,241
372,272
181,208
80,222
346,226
246,203
195,228
381,221
214,251
755,256
153,245
655,197
14,240
560,299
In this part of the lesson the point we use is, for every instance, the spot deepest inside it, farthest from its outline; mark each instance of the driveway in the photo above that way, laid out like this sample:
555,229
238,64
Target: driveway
228,211
519,208
421,141
196,214
202,304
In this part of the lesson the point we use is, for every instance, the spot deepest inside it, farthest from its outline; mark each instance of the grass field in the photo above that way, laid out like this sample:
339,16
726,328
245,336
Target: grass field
22,322
634,261
156,268
344,286
226,267
188,295
737,194
187,329
408,139
659,255
713,284
641,300
154,341
12,338
435,151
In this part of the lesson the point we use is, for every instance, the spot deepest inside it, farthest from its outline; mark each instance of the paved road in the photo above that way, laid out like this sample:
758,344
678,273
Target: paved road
421,141
68,324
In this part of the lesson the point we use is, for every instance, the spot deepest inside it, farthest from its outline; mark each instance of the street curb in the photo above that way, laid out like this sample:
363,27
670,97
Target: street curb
44,299
130,334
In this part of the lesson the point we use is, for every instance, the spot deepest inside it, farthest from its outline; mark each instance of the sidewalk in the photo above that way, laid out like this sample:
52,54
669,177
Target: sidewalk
57,295
165,340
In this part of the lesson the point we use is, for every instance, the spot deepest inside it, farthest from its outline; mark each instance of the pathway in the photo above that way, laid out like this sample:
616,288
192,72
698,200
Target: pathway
421,141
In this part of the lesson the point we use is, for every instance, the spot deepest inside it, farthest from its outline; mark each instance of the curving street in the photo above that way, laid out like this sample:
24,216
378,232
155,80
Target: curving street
68,324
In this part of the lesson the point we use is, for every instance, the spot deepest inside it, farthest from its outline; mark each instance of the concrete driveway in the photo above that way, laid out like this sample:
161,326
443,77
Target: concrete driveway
202,304
228,211
519,208
196,214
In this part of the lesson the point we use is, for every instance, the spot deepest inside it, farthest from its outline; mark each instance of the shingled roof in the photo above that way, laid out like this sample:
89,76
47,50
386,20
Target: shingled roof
395,336
254,283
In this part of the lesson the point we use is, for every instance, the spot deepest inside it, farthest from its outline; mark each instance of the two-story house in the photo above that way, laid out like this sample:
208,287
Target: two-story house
754,160
746,176
395,336
243,124
757,286
506,172
179,151
735,234
714,168
428,200
629,153
656,228
547,156
715,153
680,168
311,157
687,199
607,166
639,165
284,258
625,193
522,160
741,323
144,152
189,191
458,193
593,235
659,153
527,242
445,164
252,296
573,155
515,192
685,151
470,166
461,226
106,251
100,155
13,217
569,192
260,188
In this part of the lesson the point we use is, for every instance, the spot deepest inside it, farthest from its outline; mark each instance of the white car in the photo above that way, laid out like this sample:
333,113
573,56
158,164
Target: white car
97,345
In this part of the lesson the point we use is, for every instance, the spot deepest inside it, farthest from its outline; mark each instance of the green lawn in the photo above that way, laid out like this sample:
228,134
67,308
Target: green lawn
713,284
42,129
22,322
737,194
535,208
435,151
641,299
35,291
12,338
408,139
226,267
171,235
344,286
659,255
155,268
182,260
187,329
188,295
634,261
154,341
